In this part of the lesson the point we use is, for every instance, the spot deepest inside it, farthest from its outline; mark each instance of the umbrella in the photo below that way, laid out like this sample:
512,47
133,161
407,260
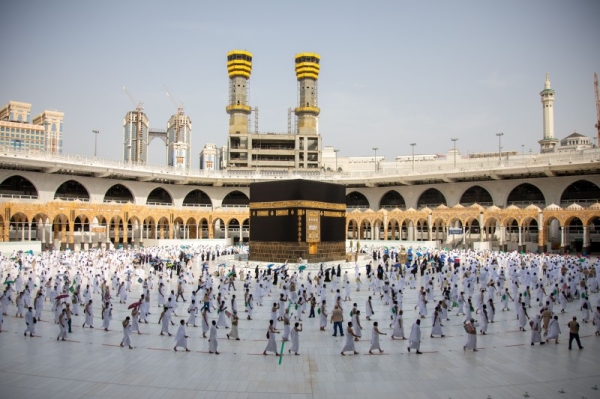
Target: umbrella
134,305
62,296
222,265
270,265
302,267
8,282
397,265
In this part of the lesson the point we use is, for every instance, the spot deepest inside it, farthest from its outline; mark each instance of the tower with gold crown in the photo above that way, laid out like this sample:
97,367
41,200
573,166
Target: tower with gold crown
239,67
307,111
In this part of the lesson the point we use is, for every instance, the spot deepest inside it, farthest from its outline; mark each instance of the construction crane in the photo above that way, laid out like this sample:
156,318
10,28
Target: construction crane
597,105
138,106
178,106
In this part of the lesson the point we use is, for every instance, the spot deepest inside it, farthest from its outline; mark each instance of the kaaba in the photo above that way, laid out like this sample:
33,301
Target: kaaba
297,219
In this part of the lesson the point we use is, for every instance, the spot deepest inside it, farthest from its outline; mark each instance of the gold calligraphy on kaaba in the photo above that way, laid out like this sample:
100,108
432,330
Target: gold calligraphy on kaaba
297,204
331,214
313,226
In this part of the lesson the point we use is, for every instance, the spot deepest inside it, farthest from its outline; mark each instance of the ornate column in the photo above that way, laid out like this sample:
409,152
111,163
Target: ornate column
429,228
541,233
562,239
29,234
586,240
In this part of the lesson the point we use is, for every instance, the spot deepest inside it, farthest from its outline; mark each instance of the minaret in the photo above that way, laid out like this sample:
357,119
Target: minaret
239,66
307,73
548,142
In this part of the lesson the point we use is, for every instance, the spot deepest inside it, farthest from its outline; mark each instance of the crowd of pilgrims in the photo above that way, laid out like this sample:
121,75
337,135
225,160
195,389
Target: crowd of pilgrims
474,285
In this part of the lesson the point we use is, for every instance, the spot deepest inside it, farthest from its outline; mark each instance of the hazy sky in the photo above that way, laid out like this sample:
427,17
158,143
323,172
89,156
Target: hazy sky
392,72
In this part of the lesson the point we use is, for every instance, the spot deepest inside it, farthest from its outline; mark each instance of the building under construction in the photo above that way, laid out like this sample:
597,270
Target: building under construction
300,147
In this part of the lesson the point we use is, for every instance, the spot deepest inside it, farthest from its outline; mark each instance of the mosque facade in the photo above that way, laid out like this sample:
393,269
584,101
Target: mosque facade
546,202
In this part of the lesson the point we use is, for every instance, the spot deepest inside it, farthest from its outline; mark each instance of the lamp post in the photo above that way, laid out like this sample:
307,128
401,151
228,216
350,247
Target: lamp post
499,147
375,159
454,140
336,151
522,150
96,132
413,155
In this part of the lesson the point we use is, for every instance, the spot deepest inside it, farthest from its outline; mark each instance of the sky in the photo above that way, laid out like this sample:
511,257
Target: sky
392,72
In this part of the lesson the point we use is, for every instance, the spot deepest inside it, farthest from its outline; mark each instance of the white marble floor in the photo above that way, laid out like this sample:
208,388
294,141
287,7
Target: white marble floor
91,363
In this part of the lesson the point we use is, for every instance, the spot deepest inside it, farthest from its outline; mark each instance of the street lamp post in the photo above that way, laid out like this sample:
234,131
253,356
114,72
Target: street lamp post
454,140
336,151
522,150
499,147
413,155
95,140
375,159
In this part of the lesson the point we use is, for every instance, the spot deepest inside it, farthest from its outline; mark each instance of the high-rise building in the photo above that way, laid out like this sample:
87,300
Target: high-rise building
43,133
548,142
209,157
179,140
135,137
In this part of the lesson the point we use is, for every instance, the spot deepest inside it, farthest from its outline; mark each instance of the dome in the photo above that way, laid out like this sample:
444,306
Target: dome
552,207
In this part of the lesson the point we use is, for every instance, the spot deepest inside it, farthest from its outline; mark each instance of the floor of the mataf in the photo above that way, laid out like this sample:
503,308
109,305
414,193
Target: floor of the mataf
92,365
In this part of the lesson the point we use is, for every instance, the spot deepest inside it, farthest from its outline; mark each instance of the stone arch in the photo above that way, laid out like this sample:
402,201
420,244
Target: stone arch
573,231
235,199
364,229
476,194
233,229
149,228
219,228
164,228
393,229
40,227
72,190
421,229
60,231
197,198
357,200
377,229
431,198
191,229
491,229
529,230
511,230
352,230
593,230
120,194
19,187
134,230
178,228
392,200
438,229
203,228
116,230
18,227
582,192
525,194
159,196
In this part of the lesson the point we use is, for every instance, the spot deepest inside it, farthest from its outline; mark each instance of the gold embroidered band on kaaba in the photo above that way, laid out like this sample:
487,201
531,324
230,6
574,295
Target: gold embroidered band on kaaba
297,204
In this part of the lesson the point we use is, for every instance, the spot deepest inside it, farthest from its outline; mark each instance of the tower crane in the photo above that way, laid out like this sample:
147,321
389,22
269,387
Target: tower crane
597,105
138,106
178,106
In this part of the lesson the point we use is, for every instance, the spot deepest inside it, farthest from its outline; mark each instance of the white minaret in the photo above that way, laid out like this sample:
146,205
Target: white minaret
548,142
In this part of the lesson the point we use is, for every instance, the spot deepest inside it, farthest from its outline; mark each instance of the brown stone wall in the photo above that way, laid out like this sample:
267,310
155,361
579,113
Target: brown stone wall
281,251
